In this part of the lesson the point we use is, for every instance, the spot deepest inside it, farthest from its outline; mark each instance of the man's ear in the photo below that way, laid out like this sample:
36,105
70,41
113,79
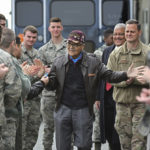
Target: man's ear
13,43
140,32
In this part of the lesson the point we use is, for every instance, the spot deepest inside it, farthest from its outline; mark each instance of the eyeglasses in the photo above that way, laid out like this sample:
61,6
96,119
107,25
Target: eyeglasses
119,34
74,44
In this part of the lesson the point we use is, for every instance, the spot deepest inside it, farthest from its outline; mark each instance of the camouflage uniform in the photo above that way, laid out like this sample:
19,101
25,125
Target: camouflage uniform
25,80
99,51
10,92
96,124
129,110
31,117
47,54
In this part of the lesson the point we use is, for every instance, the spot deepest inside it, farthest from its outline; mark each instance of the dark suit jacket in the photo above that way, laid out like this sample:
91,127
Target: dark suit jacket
108,103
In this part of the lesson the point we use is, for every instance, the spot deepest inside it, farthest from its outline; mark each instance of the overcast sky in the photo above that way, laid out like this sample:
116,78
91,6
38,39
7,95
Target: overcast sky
5,8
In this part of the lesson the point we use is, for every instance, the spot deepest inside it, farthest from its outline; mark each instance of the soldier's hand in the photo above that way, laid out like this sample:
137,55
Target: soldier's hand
39,64
24,63
30,70
3,70
129,81
144,96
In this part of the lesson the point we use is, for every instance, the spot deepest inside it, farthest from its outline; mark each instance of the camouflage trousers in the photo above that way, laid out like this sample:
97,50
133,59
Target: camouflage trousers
1,140
9,134
127,121
30,123
47,110
96,126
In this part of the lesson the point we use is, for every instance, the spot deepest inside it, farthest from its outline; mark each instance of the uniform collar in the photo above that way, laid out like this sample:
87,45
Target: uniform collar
63,43
137,50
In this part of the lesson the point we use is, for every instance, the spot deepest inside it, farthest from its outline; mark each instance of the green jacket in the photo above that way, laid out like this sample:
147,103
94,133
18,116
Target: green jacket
120,60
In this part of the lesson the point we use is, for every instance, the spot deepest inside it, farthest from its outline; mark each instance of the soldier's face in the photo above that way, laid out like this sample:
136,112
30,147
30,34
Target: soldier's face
2,23
30,38
55,29
119,36
109,40
132,33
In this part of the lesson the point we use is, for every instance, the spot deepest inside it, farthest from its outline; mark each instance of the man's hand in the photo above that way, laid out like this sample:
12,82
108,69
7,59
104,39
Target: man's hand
30,70
39,64
3,70
144,96
45,80
23,64
97,104
141,79
144,76
134,72
129,81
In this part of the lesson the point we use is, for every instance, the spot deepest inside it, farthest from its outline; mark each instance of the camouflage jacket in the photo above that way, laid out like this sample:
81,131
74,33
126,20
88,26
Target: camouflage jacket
47,53
10,87
29,56
120,60
99,51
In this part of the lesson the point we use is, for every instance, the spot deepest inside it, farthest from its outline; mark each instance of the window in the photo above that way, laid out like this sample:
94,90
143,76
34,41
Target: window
114,11
29,13
76,13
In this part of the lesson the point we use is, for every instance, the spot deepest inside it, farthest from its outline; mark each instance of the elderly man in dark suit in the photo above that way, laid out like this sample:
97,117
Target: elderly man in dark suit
107,106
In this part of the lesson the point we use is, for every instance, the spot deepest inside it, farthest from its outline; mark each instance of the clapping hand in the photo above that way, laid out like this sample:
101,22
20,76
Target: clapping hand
144,76
3,70
39,64
144,96
30,70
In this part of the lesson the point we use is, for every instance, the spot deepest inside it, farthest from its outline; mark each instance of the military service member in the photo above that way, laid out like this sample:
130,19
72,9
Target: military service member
31,117
10,92
129,110
3,70
2,21
108,41
47,53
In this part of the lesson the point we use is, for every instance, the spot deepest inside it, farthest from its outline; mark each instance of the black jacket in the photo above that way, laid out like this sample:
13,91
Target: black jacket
92,69
36,89
112,135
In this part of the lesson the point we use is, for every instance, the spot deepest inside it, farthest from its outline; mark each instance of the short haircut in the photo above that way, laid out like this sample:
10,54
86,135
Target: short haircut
30,28
119,25
55,19
7,37
2,17
107,32
133,21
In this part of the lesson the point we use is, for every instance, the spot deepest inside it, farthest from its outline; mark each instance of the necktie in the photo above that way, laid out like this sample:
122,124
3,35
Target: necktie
108,86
